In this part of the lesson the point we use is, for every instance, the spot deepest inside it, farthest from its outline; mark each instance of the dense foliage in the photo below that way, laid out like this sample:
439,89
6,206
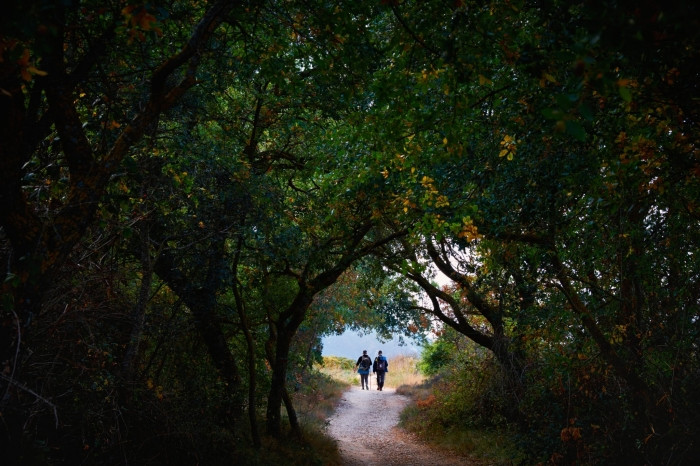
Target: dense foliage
193,192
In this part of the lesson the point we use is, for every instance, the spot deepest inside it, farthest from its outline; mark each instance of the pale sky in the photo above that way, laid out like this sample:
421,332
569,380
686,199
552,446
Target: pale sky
351,343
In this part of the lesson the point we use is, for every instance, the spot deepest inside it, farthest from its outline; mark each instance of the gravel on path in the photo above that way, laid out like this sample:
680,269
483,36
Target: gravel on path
365,427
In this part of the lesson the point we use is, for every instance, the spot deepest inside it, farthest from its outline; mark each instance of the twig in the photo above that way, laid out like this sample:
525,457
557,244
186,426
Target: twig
19,343
29,390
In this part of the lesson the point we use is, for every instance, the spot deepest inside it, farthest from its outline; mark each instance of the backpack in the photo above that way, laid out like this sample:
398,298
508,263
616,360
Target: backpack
366,362
381,365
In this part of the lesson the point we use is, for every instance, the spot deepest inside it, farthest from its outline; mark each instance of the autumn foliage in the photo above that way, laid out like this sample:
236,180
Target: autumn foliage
192,193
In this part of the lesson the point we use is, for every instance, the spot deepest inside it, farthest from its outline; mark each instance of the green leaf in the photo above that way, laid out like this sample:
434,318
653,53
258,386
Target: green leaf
625,94
576,130
552,113
586,112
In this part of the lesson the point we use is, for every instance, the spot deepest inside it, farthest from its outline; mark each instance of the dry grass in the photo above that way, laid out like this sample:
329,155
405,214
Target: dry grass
486,447
339,369
317,399
403,370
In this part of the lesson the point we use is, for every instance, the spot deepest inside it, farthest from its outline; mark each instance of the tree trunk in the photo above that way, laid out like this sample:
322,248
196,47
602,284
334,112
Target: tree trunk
252,377
202,302
291,413
282,332
138,315
250,346
278,361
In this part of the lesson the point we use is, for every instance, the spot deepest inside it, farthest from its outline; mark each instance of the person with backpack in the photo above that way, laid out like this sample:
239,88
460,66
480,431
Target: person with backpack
380,367
362,367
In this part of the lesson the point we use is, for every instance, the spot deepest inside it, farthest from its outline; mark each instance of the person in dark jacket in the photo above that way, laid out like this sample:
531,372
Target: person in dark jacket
380,367
362,367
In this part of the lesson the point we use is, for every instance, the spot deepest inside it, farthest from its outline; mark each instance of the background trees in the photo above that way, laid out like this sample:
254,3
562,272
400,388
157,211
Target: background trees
552,216
183,182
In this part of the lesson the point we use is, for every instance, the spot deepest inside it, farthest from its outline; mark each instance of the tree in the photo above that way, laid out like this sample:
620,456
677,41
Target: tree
536,154
50,60
538,130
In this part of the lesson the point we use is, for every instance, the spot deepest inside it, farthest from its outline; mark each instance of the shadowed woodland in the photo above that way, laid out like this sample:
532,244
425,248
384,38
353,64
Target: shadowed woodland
193,193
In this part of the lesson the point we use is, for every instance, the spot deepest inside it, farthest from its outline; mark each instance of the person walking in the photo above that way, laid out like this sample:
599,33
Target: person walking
362,367
380,367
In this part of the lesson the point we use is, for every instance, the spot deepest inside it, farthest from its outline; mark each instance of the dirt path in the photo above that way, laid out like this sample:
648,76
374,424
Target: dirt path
364,425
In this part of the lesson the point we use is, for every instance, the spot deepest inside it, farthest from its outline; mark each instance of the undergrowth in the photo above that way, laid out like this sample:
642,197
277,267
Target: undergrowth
492,446
439,410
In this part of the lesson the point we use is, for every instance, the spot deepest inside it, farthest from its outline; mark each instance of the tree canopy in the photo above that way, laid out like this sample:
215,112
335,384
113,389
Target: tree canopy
193,192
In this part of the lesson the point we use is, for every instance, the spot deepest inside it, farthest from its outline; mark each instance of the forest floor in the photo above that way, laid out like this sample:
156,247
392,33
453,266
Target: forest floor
365,427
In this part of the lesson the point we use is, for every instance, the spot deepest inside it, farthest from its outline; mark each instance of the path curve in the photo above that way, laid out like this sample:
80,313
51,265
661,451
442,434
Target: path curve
365,427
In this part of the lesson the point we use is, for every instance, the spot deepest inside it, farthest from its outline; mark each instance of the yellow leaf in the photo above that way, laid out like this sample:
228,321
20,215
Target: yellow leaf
624,82
36,71
484,80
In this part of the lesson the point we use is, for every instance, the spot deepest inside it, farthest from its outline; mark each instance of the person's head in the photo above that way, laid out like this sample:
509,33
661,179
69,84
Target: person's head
380,352
364,352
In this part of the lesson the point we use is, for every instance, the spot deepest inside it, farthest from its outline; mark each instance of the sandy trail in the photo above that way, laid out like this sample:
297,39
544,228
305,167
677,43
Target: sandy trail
365,427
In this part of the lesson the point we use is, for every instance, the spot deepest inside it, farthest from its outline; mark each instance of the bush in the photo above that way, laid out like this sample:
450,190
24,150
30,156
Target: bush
435,356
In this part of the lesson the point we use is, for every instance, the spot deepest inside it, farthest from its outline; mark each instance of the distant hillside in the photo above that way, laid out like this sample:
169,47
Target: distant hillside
351,343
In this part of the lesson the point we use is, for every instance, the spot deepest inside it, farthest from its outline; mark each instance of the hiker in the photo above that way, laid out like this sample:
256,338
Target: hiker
380,367
362,368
